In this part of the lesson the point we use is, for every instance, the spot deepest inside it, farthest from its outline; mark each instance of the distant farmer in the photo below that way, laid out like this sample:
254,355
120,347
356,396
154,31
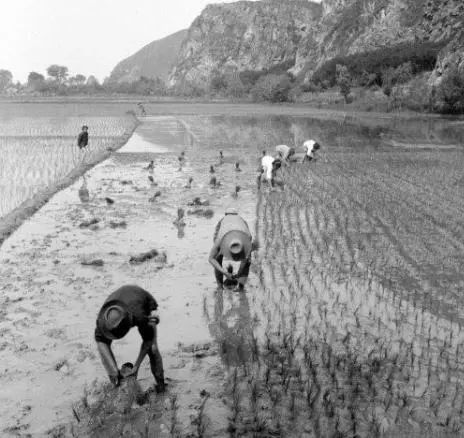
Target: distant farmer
127,307
284,152
232,242
310,147
142,109
268,168
83,137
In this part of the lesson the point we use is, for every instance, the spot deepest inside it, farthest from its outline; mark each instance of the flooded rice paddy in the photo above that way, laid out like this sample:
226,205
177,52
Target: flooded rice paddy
350,324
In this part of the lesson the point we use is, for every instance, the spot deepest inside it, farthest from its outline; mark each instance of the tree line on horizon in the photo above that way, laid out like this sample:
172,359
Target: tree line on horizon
399,72
58,82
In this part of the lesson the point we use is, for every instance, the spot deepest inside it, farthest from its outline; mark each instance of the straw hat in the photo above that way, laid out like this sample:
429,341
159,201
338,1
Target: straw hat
230,210
114,320
236,245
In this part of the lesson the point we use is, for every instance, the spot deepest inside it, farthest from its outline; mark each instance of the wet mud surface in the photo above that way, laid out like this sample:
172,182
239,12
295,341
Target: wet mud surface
50,300
350,324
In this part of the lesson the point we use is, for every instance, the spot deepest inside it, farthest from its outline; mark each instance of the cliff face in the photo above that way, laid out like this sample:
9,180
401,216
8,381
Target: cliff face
154,60
354,26
244,36
444,19
301,35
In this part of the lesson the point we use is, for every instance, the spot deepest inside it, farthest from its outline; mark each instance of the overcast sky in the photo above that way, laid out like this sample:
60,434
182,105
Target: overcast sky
87,36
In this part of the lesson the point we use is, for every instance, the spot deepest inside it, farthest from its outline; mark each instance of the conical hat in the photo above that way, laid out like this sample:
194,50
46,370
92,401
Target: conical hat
236,245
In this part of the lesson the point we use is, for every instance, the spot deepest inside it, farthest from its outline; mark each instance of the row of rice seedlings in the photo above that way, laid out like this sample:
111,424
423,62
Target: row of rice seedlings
57,127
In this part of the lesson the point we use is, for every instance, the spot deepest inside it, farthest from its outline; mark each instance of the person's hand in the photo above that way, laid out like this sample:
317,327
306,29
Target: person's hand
132,373
154,318
115,379
229,275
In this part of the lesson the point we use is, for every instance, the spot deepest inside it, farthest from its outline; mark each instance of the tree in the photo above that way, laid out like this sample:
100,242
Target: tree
77,80
273,88
58,72
344,81
451,91
36,81
6,79
218,82
394,76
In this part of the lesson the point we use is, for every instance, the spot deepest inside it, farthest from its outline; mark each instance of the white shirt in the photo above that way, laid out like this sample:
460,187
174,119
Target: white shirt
283,150
266,162
309,146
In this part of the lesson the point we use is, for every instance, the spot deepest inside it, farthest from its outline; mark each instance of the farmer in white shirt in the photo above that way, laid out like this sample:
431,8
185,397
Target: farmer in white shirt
310,147
269,165
284,152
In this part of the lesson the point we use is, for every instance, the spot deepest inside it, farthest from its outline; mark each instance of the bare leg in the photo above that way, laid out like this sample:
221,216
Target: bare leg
219,276
156,363
244,271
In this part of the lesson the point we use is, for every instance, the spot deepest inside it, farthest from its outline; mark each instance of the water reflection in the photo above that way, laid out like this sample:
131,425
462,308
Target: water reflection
231,327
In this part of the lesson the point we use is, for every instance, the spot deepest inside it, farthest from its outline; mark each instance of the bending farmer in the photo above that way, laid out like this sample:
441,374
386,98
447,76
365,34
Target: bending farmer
129,306
268,168
232,241
284,152
310,147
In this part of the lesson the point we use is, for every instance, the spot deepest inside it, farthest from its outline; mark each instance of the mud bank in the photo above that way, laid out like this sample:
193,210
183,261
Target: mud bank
10,222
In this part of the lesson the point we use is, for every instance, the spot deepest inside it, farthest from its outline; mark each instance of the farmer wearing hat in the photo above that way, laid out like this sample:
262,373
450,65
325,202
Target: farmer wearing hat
127,307
232,241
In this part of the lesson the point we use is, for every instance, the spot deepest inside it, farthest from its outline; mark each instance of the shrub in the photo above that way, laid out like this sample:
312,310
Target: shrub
218,83
421,55
310,87
395,76
272,88
249,78
451,91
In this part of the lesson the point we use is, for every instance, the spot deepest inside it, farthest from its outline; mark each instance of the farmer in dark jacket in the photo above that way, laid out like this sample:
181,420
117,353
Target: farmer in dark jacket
127,307
83,137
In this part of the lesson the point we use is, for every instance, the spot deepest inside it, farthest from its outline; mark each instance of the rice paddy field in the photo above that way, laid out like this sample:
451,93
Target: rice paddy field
37,152
351,324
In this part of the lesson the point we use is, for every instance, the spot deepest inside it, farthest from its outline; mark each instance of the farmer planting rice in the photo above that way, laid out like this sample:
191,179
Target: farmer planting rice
127,307
284,152
232,242
83,137
310,147
268,168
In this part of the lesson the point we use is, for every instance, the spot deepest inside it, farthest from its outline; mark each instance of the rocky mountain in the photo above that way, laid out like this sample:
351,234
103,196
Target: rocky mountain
244,36
302,35
154,60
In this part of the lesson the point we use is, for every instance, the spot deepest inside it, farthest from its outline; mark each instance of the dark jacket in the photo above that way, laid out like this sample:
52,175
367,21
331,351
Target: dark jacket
83,139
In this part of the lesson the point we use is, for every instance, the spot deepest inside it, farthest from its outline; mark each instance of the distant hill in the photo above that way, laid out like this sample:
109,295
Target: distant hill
154,60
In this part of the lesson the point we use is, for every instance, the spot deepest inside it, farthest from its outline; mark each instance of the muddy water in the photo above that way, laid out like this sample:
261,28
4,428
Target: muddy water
49,300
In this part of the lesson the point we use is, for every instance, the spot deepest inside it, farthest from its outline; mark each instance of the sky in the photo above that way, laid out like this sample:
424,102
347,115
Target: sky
87,36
